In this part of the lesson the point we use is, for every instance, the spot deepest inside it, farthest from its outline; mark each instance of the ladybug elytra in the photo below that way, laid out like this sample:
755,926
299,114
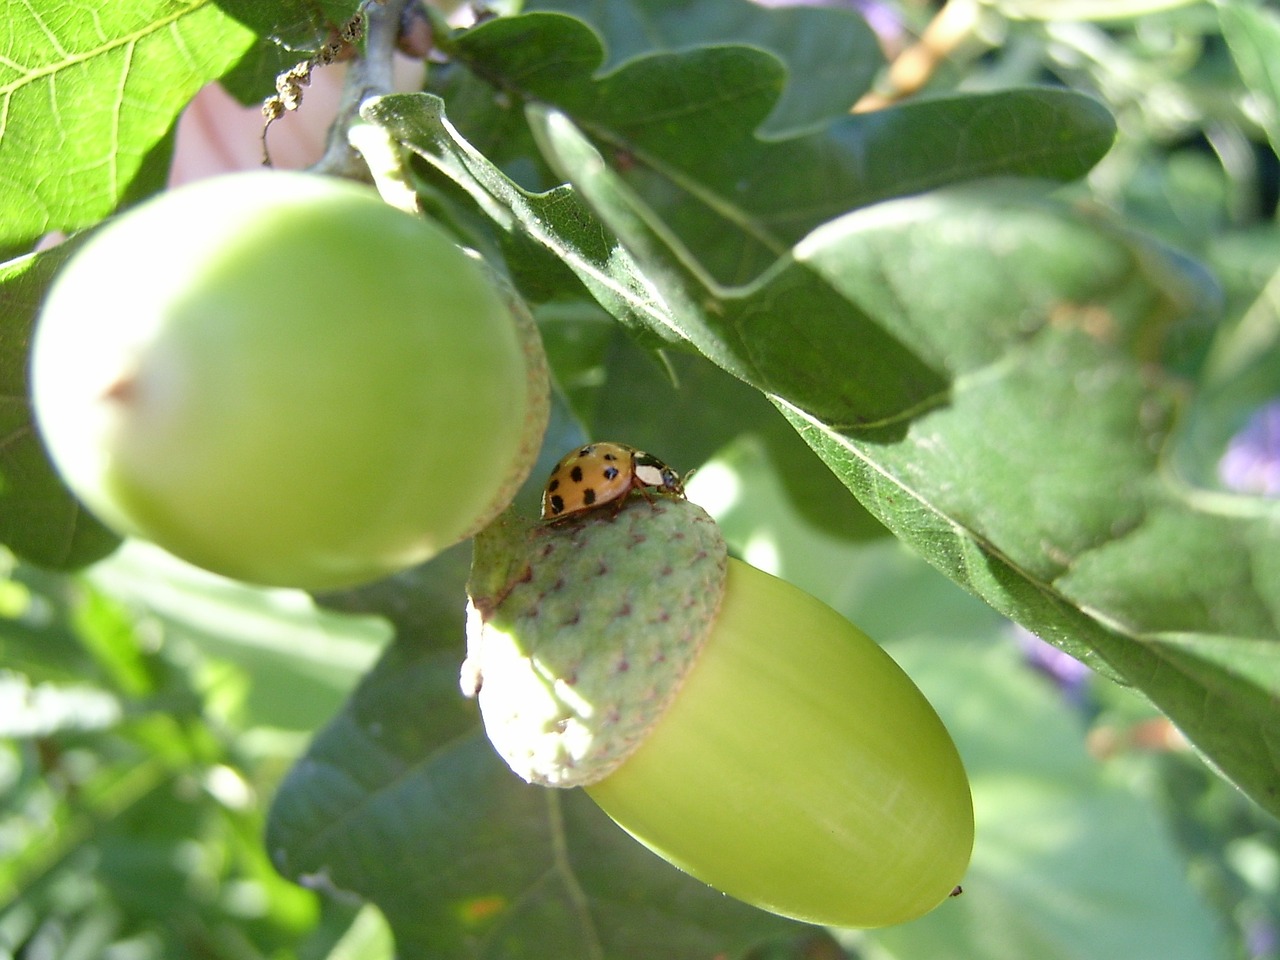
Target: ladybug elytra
600,473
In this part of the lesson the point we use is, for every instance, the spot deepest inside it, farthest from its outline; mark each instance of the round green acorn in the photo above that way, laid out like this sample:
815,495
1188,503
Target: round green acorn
279,377
732,723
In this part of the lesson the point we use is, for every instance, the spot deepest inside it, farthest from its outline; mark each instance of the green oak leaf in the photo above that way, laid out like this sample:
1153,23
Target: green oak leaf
684,129
876,377
831,55
70,154
1027,461
1041,484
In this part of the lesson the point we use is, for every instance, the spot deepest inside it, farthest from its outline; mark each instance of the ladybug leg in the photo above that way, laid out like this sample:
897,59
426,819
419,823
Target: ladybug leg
635,488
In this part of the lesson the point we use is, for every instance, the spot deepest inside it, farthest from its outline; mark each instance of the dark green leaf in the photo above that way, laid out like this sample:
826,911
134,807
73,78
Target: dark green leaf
828,338
986,377
685,131
830,54
1039,483
791,333
296,26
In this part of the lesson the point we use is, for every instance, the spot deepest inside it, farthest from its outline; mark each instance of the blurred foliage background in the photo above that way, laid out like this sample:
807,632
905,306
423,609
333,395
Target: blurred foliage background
148,711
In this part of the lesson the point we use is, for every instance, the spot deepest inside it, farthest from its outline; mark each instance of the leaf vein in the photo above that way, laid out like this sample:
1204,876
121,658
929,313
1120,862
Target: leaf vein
67,59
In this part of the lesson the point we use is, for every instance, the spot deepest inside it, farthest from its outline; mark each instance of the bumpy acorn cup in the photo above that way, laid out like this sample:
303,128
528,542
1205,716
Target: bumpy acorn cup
732,723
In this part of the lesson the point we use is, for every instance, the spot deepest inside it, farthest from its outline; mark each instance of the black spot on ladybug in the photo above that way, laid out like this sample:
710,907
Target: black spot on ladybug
588,496
610,472
576,474
553,486
557,504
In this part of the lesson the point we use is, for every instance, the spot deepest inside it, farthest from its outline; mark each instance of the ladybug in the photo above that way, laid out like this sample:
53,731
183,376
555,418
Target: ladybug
602,473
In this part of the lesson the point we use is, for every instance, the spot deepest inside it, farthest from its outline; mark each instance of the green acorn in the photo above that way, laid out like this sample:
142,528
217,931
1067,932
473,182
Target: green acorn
732,723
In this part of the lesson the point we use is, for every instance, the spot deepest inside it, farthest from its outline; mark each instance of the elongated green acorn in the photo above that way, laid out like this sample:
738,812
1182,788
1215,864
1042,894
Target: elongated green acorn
732,723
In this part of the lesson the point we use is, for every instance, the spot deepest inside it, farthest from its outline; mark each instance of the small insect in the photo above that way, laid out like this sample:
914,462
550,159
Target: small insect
602,473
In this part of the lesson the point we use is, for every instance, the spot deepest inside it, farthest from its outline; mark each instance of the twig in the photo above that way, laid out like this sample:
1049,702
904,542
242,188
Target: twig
289,84
951,28
369,75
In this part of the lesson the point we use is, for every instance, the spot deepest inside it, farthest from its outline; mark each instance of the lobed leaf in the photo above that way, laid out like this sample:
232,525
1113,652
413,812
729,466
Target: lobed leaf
1040,484
830,54
1007,414
824,333
686,128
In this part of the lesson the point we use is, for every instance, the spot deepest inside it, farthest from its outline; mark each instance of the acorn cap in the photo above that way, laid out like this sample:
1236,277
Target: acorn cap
580,632
537,401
